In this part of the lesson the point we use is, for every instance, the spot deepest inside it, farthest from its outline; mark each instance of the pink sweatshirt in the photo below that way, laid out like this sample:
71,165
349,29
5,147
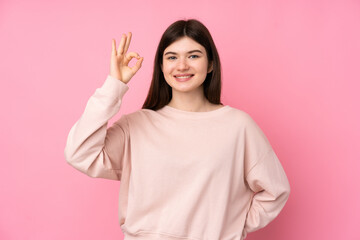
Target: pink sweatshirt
184,175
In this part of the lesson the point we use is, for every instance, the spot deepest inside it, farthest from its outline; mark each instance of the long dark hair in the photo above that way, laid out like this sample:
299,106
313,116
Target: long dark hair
160,92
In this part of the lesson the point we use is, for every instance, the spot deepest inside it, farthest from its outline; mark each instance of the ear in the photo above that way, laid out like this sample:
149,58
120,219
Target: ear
210,68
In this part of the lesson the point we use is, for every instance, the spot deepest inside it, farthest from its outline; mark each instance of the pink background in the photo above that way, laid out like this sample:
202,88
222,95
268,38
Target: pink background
292,65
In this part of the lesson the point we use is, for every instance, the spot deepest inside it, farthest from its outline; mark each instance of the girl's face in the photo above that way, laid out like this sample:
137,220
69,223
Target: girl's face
185,65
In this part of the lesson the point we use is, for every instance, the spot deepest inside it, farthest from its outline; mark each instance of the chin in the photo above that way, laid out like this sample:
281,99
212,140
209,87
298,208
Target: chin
185,88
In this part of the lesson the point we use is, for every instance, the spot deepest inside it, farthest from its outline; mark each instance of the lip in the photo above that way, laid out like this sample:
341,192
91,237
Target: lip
183,79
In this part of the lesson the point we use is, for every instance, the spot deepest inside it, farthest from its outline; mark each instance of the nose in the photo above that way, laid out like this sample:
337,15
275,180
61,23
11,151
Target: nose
182,65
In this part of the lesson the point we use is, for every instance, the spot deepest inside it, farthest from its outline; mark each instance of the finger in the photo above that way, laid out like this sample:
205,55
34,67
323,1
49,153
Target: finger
121,45
130,56
137,66
128,40
113,47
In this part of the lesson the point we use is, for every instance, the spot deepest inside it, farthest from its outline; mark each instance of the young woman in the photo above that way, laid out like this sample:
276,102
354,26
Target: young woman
190,167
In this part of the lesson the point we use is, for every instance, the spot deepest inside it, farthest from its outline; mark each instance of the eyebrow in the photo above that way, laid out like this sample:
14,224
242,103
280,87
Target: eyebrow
188,52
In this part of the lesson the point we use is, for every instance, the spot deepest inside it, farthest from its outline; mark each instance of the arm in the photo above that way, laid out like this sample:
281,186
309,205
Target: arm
91,147
271,188
265,177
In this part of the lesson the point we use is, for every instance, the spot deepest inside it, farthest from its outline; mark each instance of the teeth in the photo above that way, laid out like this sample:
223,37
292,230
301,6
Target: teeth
185,76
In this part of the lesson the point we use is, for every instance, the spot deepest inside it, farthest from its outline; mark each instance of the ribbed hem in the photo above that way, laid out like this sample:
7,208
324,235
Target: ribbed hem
155,236
158,237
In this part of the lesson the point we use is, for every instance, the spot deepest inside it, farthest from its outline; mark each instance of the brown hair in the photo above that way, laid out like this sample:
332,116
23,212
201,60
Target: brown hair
160,92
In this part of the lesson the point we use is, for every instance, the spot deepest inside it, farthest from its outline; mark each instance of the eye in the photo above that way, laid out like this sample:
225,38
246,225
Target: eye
196,56
171,58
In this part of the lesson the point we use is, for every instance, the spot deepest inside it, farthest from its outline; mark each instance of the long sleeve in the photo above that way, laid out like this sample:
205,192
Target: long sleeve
92,148
266,178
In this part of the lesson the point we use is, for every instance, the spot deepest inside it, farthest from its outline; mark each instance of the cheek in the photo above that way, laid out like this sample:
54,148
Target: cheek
167,69
166,72
164,67
203,68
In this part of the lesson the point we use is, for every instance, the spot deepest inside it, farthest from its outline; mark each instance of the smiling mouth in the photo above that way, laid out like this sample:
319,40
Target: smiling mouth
184,76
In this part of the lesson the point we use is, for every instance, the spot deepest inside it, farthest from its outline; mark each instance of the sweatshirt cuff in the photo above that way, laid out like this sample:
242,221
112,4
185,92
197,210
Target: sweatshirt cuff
114,87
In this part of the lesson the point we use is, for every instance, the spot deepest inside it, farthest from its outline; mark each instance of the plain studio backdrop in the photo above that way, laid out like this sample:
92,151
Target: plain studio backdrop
292,65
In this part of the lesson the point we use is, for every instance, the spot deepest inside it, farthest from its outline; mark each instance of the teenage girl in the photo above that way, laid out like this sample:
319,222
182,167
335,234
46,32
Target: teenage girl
190,167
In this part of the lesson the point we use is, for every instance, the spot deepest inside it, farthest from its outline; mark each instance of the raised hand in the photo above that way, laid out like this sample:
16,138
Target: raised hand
120,59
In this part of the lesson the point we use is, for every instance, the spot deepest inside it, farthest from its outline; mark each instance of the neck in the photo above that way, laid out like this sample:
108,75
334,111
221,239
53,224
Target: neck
194,101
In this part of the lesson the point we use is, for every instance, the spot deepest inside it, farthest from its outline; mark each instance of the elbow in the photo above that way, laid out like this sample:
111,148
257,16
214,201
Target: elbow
287,188
71,158
286,191
283,192
77,162
68,156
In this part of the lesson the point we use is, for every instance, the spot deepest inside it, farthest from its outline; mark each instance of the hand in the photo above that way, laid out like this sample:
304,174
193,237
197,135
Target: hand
120,59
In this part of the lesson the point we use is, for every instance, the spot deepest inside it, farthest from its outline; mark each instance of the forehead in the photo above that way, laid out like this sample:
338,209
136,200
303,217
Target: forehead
184,45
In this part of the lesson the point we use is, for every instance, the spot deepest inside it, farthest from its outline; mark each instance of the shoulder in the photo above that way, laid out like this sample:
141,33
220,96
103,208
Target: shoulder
141,117
247,124
138,116
141,113
251,129
241,115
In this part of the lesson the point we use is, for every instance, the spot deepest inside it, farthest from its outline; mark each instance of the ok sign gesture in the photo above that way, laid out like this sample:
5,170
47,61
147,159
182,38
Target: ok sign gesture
120,59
